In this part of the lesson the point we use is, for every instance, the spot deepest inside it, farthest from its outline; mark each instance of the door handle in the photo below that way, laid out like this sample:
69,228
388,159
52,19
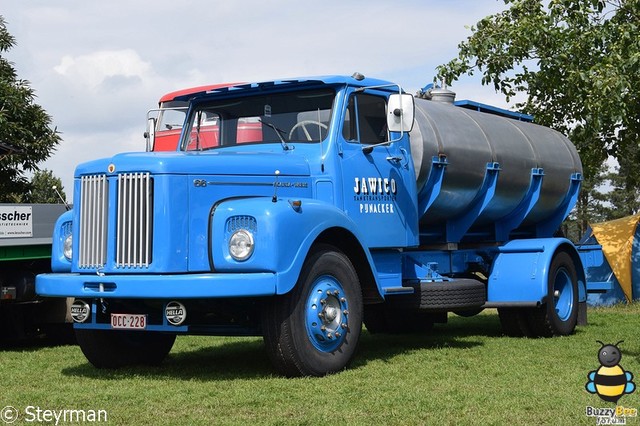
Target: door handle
399,159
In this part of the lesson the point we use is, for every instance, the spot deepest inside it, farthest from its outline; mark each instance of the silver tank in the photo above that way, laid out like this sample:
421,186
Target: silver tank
471,139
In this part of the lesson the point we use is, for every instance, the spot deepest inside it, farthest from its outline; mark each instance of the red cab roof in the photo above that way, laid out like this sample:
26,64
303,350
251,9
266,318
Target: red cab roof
171,96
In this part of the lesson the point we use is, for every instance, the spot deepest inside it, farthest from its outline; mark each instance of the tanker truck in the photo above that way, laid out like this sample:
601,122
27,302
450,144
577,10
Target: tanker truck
355,203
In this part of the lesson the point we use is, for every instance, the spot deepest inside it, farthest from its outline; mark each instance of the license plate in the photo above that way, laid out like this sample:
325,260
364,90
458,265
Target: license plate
129,321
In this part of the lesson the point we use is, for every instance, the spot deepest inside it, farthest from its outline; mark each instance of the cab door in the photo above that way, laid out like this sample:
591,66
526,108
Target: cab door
378,179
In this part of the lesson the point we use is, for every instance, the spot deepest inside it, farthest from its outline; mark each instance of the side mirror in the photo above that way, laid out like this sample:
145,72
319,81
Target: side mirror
400,113
150,134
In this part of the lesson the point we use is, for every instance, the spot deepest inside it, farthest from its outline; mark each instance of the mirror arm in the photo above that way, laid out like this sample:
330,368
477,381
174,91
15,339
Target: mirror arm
369,148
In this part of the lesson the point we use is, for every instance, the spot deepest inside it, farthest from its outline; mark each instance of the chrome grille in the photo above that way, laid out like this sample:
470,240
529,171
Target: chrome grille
94,196
134,220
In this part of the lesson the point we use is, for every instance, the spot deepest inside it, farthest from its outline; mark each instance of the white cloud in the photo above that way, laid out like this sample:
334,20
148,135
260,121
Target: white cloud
93,69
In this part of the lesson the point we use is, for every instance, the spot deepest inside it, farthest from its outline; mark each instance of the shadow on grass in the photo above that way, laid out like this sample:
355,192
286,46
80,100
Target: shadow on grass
458,333
244,359
231,360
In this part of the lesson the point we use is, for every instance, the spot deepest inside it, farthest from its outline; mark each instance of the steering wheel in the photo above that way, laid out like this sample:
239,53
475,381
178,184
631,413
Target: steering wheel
304,124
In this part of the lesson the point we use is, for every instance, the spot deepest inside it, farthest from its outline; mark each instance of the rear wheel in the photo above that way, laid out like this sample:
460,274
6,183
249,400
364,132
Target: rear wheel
314,329
115,349
558,316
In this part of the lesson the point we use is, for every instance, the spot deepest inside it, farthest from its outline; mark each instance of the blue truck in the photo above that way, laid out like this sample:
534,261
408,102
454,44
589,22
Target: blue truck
353,202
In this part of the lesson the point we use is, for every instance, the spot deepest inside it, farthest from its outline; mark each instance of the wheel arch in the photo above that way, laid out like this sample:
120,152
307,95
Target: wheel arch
347,243
520,272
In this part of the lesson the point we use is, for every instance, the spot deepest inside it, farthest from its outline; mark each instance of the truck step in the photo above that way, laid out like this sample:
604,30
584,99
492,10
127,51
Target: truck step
399,290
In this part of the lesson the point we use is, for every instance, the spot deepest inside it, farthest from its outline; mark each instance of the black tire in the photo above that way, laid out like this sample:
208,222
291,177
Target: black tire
117,348
380,318
559,315
294,346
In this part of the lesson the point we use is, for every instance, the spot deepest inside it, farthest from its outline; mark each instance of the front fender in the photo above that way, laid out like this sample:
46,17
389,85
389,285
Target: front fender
283,235
520,272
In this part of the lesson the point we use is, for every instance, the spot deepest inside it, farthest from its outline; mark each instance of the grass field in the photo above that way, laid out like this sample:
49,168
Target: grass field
464,372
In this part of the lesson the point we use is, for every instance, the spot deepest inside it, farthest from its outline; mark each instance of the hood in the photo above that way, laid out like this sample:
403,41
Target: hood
220,162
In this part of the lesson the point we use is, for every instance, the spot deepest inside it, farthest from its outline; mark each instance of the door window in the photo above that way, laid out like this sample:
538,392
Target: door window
366,119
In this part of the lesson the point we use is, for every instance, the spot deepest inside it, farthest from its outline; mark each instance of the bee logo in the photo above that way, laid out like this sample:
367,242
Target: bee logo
610,381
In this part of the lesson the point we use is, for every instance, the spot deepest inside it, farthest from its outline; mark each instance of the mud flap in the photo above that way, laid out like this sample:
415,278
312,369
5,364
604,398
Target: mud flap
582,313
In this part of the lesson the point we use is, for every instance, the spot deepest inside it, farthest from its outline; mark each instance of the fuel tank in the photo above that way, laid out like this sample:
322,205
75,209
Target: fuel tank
470,143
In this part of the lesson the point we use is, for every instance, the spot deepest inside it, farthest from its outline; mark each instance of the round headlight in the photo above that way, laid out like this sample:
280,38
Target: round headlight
67,247
241,245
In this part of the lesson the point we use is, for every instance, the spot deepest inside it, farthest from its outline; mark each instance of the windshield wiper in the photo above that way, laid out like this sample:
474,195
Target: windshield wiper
279,132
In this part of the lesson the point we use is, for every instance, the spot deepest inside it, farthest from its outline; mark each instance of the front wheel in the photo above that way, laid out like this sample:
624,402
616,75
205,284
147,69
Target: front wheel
314,329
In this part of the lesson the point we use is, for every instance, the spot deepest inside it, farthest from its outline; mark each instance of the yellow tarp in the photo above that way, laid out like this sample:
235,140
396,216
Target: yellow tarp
616,239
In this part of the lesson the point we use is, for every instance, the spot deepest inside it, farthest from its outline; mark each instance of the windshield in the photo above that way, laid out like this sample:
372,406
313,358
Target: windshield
275,118
169,122
171,115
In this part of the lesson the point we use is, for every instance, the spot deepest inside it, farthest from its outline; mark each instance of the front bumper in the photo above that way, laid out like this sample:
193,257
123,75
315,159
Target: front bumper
178,286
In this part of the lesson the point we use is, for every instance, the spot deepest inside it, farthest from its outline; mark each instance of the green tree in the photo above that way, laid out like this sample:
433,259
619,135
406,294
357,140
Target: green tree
26,137
43,189
578,62
622,196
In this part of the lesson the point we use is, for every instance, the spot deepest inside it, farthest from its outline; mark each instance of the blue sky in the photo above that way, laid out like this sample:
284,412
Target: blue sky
97,67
